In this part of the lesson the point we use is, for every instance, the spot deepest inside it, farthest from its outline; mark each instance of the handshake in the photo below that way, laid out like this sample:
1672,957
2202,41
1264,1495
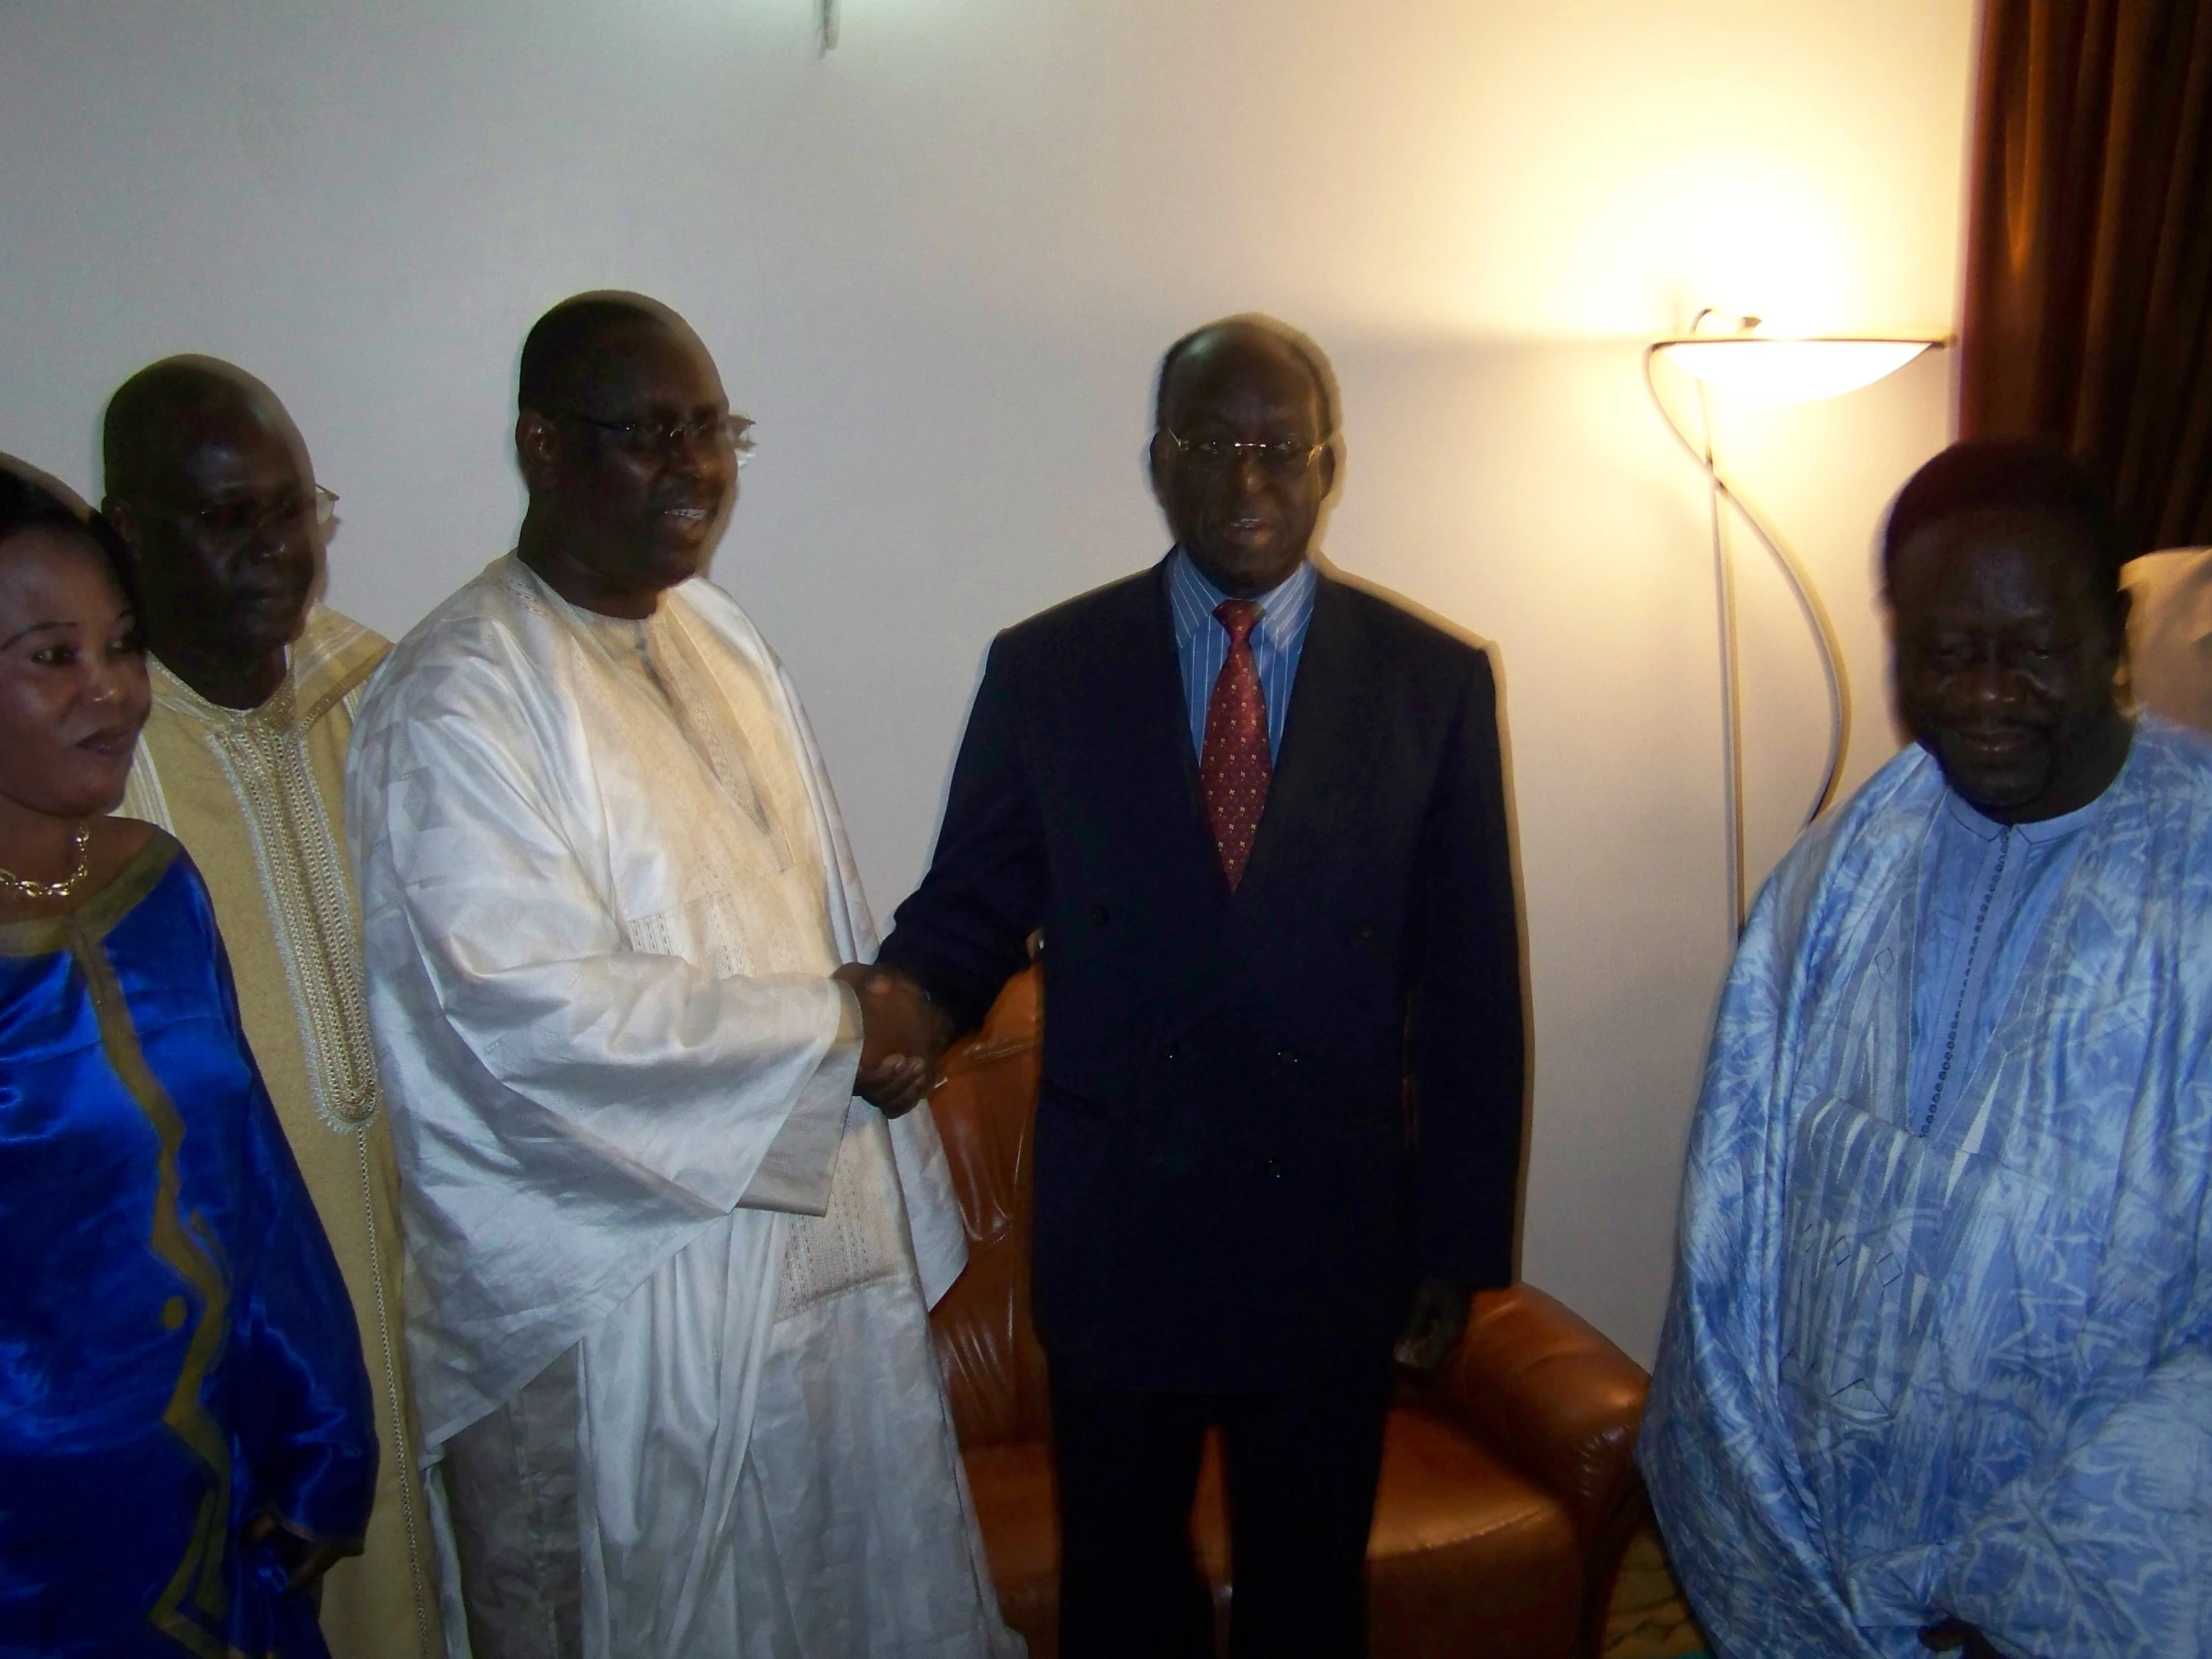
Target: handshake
902,1037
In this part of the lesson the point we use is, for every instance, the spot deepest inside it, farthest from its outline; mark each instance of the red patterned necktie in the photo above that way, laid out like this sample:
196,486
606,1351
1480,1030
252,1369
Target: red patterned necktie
1232,766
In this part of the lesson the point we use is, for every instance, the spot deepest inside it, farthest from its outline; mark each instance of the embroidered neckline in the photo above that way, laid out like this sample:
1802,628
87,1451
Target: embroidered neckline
262,755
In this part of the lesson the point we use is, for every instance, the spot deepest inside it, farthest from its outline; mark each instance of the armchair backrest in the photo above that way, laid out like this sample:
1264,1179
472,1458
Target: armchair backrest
985,1111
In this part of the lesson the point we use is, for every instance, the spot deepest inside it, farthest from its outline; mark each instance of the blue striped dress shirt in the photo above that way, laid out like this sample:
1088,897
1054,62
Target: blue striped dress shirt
1202,643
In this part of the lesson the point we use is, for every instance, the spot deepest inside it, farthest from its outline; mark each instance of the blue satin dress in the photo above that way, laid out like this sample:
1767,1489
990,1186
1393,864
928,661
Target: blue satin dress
177,1351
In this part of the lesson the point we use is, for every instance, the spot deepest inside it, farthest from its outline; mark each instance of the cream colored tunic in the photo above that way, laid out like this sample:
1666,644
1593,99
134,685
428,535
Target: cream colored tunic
256,797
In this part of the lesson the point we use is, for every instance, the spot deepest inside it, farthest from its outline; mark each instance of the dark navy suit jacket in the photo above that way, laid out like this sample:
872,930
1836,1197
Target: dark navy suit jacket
1264,1112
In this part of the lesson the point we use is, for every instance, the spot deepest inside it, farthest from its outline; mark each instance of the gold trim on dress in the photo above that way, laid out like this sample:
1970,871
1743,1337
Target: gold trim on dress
139,875
199,1584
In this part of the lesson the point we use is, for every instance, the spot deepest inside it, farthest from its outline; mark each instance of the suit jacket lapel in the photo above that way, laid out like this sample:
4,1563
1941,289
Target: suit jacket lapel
1162,678
1142,662
1331,705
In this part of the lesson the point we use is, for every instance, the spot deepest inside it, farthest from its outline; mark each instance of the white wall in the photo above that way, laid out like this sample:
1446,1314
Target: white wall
938,266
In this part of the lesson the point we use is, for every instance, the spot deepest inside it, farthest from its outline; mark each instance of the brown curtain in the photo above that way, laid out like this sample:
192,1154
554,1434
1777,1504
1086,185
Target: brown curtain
2089,246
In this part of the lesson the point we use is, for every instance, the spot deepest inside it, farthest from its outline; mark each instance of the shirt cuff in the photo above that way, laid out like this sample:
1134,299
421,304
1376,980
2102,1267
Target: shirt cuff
794,1175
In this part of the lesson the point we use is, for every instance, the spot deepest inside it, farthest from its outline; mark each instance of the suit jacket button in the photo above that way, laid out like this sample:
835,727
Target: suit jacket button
1170,1052
1098,916
1286,1056
1273,1167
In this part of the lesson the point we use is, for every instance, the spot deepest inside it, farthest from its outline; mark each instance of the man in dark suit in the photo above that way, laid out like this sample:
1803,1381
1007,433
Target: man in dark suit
1260,817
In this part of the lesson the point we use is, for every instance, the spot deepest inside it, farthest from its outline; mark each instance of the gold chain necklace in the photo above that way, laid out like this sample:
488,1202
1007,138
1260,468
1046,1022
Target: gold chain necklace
54,890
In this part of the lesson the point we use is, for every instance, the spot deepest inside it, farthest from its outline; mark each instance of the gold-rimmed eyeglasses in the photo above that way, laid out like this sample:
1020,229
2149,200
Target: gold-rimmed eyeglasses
242,516
658,437
1284,457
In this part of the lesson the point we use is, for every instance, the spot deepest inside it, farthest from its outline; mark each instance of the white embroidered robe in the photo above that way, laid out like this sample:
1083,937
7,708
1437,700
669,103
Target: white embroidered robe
600,907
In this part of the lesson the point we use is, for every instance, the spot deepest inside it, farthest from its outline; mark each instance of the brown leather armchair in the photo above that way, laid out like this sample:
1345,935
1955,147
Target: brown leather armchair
1507,1496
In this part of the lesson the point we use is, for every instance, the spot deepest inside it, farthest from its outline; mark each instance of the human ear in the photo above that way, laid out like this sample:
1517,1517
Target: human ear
537,449
1158,465
2123,606
119,514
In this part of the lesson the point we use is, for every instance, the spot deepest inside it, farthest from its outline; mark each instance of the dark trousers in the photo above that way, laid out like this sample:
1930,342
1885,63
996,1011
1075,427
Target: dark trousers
1302,1464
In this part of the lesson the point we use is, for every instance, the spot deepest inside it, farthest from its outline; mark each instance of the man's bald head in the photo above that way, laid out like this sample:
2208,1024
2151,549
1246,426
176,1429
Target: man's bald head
627,450
1243,450
575,346
1258,334
209,483
166,414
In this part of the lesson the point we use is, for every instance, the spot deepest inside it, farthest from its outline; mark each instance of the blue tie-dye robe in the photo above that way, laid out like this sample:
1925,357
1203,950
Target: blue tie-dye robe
1965,1374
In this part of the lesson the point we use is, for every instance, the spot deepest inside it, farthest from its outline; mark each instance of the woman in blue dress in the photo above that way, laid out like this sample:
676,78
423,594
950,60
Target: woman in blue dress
186,1438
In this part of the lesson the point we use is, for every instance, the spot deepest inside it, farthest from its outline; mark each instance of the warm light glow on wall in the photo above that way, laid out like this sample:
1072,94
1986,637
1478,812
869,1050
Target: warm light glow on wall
1789,168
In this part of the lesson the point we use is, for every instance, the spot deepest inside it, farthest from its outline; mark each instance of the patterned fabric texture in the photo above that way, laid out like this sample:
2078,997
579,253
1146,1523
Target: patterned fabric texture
1966,1372
1202,645
1233,768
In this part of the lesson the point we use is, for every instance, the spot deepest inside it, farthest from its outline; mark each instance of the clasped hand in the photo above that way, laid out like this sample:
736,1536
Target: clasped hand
1434,1326
902,1037
305,1559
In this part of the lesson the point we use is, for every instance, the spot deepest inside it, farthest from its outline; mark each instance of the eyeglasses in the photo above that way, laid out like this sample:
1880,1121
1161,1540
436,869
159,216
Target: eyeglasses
658,437
240,517
1284,457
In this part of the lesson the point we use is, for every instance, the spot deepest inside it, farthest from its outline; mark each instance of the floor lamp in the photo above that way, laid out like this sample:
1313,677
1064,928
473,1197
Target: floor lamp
1732,358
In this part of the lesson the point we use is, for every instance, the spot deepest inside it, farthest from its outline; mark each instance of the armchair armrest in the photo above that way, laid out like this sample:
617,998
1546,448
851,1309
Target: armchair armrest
1544,1390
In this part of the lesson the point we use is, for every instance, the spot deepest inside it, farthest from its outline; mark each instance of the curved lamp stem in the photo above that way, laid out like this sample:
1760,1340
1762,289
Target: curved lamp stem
1722,493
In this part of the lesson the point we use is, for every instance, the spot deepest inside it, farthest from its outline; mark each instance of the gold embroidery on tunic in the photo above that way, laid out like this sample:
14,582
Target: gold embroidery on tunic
402,1456
264,758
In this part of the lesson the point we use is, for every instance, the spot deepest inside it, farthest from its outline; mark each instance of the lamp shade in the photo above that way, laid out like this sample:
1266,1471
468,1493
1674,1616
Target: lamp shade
1789,370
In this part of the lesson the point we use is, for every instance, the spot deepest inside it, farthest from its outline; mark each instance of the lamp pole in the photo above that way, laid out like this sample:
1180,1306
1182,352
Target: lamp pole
1814,368
1732,699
